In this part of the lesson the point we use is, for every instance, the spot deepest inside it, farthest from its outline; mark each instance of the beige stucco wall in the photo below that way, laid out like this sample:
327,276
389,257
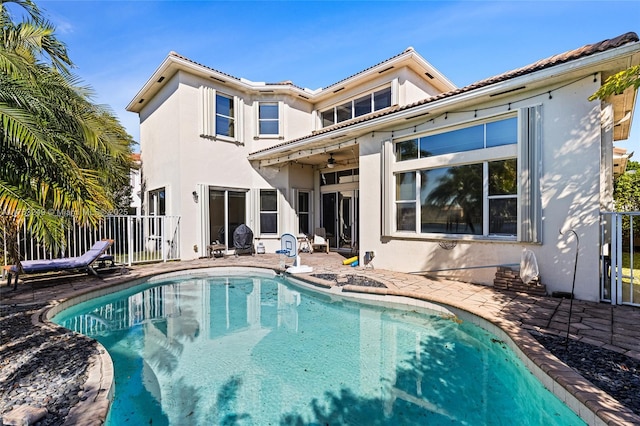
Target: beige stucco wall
182,160
570,184
570,188
413,87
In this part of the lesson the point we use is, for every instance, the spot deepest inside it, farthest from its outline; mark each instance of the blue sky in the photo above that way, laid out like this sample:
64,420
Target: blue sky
116,45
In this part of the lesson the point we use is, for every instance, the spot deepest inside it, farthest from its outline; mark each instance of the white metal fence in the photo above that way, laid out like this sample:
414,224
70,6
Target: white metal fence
620,258
136,239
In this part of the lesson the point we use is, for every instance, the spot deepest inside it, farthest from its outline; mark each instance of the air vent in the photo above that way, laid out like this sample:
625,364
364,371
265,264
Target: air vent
385,70
217,79
429,75
161,79
337,90
141,101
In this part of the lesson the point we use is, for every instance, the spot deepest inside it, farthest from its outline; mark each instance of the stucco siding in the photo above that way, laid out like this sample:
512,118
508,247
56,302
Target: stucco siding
414,87
570,185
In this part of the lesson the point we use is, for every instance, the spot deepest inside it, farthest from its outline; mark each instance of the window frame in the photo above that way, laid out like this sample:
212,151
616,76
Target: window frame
350,104
482,156
231,118
262,212
208,115
302,213
157,202
279,120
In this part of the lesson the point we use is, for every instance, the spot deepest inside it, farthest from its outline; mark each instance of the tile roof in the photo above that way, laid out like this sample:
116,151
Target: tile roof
408,49
561,58
184,58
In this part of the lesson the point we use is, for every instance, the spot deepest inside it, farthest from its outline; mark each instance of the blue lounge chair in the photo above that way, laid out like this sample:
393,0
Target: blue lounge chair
80,263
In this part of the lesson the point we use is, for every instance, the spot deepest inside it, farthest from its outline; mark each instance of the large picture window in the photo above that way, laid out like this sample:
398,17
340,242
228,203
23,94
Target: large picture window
464,197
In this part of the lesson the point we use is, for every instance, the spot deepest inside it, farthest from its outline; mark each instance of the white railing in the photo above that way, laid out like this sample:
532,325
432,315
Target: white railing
136,239
620,255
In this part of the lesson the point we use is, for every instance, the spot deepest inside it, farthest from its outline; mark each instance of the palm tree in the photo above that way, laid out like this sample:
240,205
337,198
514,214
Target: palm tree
61,156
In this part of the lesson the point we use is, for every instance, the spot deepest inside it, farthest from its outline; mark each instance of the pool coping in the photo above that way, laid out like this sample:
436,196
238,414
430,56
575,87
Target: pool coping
591,404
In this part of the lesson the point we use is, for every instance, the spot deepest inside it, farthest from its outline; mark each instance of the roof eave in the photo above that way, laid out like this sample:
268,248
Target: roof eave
409,58
584,66
172,64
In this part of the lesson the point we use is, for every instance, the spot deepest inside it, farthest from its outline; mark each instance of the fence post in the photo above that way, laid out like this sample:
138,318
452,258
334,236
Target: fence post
163,238
616,259
130,244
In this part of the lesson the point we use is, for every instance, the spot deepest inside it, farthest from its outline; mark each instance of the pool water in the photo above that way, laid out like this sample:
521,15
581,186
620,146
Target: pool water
262,351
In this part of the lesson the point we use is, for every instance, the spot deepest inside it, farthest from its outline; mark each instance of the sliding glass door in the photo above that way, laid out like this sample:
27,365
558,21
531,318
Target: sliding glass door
340,218
227,210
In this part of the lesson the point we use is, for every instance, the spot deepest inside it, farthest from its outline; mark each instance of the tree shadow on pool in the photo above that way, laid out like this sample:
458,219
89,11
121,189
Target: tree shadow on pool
466,380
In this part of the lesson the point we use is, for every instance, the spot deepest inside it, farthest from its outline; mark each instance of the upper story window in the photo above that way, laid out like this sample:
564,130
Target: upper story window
370,102
220,115
225,115
269,119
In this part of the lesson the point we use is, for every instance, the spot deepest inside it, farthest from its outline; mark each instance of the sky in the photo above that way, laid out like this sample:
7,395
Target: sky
117,45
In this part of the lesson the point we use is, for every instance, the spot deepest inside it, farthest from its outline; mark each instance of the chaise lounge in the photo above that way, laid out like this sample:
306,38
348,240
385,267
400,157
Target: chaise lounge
80,263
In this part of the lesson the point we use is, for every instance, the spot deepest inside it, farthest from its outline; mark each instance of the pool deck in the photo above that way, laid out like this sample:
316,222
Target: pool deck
614,327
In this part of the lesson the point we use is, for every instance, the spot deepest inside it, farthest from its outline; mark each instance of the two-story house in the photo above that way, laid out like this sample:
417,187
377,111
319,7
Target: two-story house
395,160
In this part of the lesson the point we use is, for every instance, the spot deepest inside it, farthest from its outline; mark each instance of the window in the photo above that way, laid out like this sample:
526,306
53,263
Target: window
227,211
220,115
342,176
225,116
304,212
268,211
268,118
451,200
327,118
502,197
477,197
406,201
157,203
355,108
157,207
487,135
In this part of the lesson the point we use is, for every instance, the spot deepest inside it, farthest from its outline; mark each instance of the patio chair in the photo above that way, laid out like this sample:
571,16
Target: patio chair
80,263
320,240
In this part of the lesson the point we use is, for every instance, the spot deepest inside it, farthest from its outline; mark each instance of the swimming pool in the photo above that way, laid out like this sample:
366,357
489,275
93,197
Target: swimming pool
196,349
